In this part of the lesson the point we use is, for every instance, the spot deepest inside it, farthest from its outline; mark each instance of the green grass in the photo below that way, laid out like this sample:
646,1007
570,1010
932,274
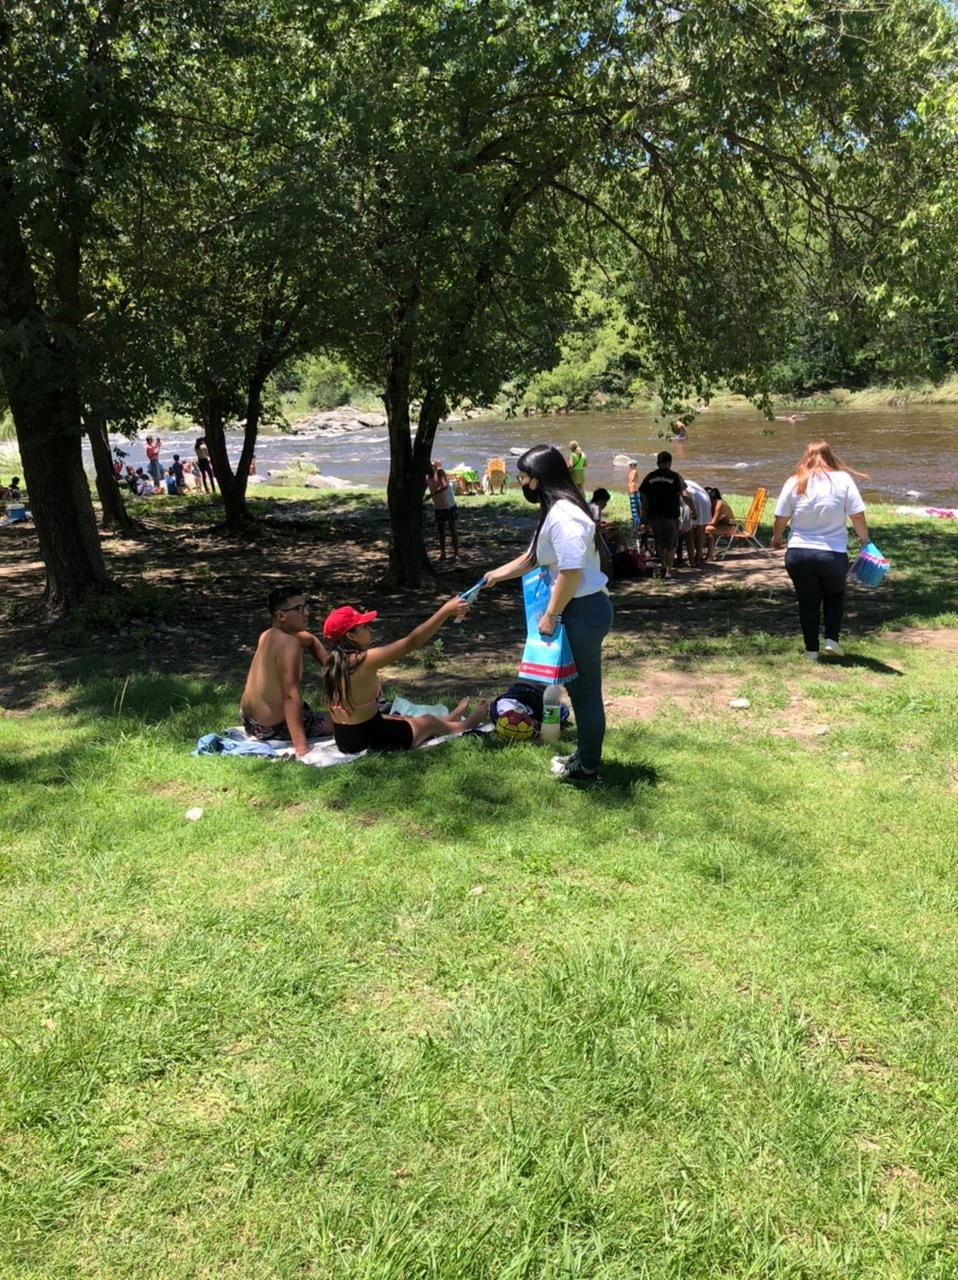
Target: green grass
437,1016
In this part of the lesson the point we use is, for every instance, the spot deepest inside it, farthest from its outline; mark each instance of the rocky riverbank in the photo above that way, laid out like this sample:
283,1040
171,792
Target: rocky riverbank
336,422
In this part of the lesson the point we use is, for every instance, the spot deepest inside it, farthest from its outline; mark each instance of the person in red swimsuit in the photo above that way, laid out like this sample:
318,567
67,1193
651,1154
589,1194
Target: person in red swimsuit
353,687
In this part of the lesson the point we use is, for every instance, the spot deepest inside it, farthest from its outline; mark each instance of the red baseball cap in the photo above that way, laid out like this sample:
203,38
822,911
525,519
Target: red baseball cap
342,620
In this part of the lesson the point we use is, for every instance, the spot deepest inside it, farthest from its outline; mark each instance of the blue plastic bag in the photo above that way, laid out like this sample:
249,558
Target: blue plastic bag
870,567
545,659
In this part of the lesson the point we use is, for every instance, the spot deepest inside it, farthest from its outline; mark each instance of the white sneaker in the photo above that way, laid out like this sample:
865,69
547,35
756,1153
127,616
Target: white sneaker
811,655
833,649
569,769
561,763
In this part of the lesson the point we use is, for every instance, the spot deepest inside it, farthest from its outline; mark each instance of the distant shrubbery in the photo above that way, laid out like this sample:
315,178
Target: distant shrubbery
321,382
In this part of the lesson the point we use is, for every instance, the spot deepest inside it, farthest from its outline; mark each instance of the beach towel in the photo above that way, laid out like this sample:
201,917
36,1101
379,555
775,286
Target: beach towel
322,752
938,513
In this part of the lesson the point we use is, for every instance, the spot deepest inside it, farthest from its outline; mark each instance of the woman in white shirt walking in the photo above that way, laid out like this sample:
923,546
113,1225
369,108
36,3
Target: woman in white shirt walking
818,501
566,541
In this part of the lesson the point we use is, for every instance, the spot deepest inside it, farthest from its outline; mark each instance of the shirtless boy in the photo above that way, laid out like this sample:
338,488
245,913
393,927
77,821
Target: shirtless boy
272,705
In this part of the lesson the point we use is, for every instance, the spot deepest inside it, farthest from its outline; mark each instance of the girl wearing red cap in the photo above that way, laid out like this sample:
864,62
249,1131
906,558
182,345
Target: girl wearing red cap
352,683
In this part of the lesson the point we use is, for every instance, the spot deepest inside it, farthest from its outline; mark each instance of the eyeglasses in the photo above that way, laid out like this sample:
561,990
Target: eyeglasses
297,608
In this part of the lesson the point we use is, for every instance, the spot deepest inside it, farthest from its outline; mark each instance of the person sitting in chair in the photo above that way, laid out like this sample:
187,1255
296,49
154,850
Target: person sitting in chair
723,522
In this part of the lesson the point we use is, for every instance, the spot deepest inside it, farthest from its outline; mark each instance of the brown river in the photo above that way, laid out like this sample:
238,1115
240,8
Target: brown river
910,455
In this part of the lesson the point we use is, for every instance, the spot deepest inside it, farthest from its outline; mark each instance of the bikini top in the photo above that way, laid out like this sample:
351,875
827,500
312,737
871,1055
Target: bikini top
362,706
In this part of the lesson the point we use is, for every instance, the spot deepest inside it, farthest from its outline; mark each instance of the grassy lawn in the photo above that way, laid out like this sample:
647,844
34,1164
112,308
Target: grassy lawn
439,1016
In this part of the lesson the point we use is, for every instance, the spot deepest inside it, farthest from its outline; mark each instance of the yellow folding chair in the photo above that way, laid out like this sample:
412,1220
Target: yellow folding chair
745,530
496,474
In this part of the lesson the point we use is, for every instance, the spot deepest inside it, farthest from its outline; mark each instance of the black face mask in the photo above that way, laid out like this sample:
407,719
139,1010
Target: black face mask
530,494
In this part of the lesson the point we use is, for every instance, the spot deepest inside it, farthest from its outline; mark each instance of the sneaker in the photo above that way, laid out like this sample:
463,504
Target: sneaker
811,655
569,769
833,649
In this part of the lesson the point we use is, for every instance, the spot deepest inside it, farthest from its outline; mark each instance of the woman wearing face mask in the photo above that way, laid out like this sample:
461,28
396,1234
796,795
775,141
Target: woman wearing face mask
566,541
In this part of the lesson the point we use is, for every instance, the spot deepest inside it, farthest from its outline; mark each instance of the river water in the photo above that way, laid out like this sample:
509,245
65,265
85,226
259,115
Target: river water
905,452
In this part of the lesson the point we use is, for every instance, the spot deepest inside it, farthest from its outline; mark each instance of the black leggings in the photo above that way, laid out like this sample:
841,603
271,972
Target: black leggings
819,580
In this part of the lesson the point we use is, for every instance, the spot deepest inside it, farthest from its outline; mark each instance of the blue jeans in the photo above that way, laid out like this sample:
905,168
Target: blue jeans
588,621
819,580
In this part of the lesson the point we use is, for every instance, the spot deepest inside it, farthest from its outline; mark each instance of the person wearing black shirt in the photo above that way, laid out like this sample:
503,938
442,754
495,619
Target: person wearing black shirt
661,495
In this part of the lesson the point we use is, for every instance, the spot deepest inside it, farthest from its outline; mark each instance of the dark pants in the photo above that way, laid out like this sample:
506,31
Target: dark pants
819,581
588,620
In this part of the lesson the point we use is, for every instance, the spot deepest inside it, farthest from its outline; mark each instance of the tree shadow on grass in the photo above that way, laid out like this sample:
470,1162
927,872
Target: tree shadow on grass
145,697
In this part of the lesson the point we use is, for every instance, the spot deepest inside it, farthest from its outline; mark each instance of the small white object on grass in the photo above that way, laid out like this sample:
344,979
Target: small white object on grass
740,704
193,815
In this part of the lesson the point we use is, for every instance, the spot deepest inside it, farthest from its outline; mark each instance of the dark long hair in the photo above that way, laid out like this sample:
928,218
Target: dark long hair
344,658
546,464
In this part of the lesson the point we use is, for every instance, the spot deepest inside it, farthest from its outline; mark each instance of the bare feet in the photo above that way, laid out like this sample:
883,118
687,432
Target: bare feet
459,709
476,718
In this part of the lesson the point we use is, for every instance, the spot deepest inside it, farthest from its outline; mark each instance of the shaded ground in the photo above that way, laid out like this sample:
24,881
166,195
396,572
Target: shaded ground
213,589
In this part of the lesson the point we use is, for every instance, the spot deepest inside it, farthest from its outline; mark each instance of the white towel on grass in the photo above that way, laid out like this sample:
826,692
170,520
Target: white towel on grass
323,752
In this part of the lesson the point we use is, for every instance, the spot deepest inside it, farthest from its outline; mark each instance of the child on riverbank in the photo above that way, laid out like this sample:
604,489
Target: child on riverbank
353,687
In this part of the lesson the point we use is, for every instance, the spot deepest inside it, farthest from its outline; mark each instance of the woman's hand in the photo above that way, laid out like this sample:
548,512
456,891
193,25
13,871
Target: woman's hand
547,624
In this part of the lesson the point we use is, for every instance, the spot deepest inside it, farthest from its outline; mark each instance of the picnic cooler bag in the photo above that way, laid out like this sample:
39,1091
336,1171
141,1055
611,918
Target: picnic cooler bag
545,659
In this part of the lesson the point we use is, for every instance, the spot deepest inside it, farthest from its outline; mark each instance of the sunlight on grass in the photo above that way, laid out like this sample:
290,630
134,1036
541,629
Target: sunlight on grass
439,1016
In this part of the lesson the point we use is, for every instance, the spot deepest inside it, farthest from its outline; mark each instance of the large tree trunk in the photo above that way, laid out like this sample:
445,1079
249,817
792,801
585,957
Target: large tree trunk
48,433
408,562
112,506
41,385
254,410
233,484
213,417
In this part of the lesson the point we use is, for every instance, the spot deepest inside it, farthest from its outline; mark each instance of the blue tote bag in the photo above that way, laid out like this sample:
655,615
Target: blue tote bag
545,659
870,567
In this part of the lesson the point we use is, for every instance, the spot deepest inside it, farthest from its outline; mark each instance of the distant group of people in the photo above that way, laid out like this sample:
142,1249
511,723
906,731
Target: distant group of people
678,514
181,477
11,492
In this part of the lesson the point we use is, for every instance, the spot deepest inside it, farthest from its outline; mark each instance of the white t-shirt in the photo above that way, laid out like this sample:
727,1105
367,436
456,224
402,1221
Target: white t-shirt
567,541
819,517
703,503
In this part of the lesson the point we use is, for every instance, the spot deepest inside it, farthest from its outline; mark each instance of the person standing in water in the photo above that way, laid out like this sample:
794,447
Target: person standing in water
577,465
153,457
